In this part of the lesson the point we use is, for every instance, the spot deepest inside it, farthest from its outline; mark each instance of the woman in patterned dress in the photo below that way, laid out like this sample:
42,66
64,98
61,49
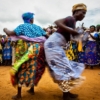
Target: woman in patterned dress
30,70
65,73
91,49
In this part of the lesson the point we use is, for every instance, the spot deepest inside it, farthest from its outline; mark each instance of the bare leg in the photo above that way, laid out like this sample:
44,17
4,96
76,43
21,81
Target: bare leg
91,67
69,96
18,96
66,96
31,90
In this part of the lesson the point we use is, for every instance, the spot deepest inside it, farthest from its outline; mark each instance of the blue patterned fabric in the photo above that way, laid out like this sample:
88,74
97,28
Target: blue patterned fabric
81,57
96,35
7,51
60,66
29,30
91,56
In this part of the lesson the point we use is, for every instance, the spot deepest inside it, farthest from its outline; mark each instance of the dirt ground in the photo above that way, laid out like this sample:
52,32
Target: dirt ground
48,90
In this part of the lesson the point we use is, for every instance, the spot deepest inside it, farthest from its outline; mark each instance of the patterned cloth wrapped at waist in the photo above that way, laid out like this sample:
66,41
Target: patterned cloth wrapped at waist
29,61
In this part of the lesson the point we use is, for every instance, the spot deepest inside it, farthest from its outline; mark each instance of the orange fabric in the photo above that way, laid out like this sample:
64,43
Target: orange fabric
79,6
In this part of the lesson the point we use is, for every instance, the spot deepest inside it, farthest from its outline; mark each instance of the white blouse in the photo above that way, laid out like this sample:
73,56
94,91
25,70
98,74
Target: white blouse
90,38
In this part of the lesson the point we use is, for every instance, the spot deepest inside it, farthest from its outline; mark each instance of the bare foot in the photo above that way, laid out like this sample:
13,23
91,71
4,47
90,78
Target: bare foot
31,92
16,97
73,95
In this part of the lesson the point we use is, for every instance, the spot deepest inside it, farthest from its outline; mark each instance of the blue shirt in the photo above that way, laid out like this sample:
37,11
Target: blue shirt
29,30
96,35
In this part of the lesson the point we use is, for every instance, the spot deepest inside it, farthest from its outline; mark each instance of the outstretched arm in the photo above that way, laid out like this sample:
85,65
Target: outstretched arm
8,32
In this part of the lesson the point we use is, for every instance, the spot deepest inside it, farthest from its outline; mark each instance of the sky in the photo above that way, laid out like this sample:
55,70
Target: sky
46,12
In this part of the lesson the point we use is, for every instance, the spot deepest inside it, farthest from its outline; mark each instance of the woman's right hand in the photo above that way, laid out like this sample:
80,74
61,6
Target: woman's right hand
5,29
8,32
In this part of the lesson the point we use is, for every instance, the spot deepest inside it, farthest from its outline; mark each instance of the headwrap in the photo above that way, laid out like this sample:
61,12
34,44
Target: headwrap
98,28
27,16
79,6
98,25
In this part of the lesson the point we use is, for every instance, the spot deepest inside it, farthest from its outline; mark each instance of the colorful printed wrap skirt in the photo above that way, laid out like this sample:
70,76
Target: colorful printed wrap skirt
71,52
30,71
64,72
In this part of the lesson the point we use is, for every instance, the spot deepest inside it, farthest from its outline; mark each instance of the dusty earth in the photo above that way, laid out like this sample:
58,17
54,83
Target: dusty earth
48,90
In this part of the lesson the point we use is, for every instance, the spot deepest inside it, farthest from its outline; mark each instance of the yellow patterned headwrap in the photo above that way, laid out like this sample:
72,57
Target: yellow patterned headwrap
79,6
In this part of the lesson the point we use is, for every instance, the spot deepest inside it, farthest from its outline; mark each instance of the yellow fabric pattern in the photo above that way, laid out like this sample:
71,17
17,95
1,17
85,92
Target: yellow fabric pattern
80,49
69,52
79,6
0,47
